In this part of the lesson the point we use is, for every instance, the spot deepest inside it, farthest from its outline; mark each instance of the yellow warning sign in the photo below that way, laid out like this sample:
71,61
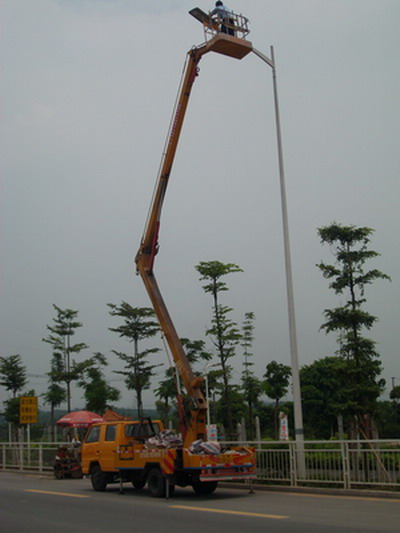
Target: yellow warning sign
28,410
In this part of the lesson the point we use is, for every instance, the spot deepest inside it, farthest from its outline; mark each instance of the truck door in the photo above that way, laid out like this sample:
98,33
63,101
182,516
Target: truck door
90,448
108,448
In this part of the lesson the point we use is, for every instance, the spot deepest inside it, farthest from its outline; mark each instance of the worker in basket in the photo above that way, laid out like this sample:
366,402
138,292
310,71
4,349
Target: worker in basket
224,17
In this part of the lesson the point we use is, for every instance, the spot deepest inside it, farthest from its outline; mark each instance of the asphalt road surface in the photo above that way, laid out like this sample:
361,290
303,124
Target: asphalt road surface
41,504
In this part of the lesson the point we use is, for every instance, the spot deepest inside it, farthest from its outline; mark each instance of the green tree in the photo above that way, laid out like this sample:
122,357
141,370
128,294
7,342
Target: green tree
275,386
97,392
348,277
195,351
323,396
388,419
55,394
251,385
12,373
168,388
247,340
167,393
251,390
12,414
64,327
139,324
224,332
395,393
238,408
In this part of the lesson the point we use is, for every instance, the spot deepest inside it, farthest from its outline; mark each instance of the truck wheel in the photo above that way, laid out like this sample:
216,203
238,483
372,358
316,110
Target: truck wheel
58,472
156,483
204,487
138,483
98,478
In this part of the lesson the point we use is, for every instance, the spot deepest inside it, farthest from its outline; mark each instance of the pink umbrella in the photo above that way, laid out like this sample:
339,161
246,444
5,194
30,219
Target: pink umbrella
79,419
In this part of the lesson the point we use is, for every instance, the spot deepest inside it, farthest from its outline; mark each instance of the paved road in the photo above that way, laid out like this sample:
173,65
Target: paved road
45,505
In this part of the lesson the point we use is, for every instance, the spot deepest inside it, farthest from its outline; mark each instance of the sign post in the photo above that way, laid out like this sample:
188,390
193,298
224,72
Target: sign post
28,414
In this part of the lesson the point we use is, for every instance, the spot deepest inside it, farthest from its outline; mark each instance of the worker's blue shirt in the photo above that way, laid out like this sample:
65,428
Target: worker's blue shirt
222,11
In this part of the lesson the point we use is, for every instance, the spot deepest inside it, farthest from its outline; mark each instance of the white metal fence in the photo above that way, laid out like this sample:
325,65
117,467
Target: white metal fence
35,456
346,464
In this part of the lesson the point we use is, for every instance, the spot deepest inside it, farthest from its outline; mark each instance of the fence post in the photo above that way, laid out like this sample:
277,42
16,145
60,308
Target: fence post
243,429
239,431
293,463
4,456
344,446
21,455
41,457
258,429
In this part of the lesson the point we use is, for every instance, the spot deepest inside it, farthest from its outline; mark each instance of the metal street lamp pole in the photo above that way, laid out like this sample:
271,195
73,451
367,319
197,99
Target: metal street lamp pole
207,400
205,372
242,31
298,416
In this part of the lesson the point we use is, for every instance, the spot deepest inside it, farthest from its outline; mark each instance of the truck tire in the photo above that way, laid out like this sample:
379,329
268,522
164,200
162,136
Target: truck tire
204,487
156,483
138,483
98,478
58,472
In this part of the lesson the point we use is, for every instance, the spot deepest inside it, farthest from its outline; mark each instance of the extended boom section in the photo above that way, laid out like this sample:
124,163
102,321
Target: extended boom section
149,244
149,248
234,47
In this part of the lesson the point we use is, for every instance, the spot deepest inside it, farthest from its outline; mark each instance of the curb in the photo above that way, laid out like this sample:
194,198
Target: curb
355,493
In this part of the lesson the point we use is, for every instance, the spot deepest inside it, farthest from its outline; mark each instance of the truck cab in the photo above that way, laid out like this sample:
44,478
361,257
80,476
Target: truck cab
106,445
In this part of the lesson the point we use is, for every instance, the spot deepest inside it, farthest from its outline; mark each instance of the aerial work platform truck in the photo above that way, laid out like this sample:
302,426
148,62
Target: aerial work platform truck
143,451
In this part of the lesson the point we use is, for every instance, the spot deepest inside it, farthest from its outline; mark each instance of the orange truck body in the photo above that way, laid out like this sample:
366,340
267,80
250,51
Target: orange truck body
120,451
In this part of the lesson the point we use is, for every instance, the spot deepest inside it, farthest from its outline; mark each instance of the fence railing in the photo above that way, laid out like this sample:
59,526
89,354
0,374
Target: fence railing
345,464
35,456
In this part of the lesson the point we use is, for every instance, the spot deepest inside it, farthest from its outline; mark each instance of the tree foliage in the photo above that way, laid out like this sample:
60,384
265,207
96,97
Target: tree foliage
238,409
323,395
168,388
68,370
349,278
97,392
212,272
276,385
12,413
395,393
251,385
12,373
167,393
56,394
224,332
138,325
247,340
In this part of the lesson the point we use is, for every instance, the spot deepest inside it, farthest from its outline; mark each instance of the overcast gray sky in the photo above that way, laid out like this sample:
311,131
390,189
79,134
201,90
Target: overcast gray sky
88,88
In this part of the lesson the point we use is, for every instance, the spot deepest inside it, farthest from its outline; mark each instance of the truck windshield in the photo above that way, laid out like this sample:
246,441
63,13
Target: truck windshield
93,434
